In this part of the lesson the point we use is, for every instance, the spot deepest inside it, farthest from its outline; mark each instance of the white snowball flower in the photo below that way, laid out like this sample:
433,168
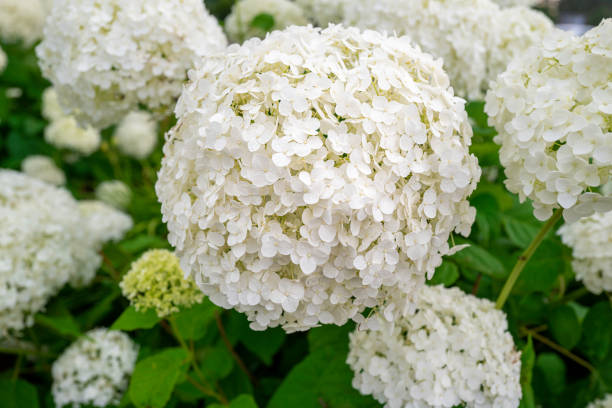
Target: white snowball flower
323,12
94,370
115,193
43,245
51,109
136,135
511,3
474,53
238,24
313,171
65,133
552,110
3,60
591,241
104,222
453,349
605,402
43,168
21,20
107,57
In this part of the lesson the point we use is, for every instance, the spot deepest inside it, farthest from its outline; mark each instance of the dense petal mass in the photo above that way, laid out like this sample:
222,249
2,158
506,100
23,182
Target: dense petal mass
136,135
552,110
105,58
43,168
312,172
22,21
452,350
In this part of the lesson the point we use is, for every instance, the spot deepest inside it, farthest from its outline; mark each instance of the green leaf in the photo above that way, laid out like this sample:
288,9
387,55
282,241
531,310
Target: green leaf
263,21
543,269
131,319
18,394
480,260
552,369
241,401
564,326
521,233
595,342
264,344
446,274
154,378
141,242
487,217
193,322
330,335
216,362
527,362
62,323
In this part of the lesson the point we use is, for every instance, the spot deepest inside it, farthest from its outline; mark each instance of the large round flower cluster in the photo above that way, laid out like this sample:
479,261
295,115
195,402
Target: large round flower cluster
605,402
104,222
474,53
94,370
453,349
323,12
22,20
591,241
107,57
552,109
43,168
43,246
156,281
311,172
136,135
239,23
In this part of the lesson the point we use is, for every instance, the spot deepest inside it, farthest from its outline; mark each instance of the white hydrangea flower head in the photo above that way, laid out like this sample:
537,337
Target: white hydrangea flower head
552,109
591,241
95,369
323,12
43,246
128,53
104,222
136,135
115,193
65,133
512,3
474,53
605,402
452,349
51,109
22,21
238,23
314,171
43,168
3,60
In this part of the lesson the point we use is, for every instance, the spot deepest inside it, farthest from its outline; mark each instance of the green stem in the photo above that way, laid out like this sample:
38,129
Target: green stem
524,258
559,349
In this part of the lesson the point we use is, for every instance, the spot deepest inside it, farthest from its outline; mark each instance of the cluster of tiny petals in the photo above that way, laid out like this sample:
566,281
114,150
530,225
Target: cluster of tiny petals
453,349
512,3
473,53
95,370
128,53
552,109
22,21
323,12
313,171
136,135
115,193
43,245
605,402
43,168
156,281
591,241
105,223
238,24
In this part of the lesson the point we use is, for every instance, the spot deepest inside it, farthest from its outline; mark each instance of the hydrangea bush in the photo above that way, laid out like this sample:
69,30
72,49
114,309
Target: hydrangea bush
320,185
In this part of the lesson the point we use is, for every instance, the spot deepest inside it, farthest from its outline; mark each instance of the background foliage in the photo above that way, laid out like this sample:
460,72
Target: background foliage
563,330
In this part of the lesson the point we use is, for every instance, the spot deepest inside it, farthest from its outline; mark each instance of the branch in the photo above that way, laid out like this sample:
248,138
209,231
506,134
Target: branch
230,348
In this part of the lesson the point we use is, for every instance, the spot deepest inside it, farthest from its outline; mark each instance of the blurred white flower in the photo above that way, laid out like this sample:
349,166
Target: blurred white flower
512,3
104,222
323,12
453,349
21,20
238,24
312,172
136,135
105,58
552,111
43,168
65,133
591,241
115,193
3,60
605,402
94,370
51,109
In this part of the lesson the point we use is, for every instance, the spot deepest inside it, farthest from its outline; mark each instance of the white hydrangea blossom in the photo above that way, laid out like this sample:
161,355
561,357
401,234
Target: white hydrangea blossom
605,402
3,60
51,109
107,57
94,370
65,133
474,53
591,241
511,3
43,168
453,349
21,20
115,193
238,23
43,246
313,171
552,109
323,12
104,222
136,135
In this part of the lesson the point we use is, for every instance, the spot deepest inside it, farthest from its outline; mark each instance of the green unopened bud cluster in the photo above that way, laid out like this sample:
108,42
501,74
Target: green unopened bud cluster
155,281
